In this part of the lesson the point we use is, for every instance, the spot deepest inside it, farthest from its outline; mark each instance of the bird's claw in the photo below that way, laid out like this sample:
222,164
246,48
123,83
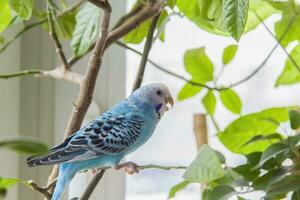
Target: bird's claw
130,167
93,171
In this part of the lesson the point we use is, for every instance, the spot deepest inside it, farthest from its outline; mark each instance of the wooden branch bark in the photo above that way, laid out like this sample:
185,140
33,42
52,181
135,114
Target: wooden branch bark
87,85
147,48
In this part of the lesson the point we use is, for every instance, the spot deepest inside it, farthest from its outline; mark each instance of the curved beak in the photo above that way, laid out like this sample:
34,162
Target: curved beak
169,102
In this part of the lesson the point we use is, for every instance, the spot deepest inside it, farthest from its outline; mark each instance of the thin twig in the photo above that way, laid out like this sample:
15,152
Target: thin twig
20,73
92,185
283,48
147,48
53,35
267,58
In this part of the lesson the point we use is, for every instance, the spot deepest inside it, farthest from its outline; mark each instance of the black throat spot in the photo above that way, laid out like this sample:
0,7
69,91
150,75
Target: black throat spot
158,107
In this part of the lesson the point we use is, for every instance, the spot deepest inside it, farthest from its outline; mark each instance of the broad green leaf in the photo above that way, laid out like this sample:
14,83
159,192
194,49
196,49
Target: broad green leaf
86,29
206,166
261,8
243,129
163,18
176,188
231,101
273,151
229,53
205,193
171,3
27,146
290,73
253,158
5,15
235,14
296,195
192,10
294,116
209,101
257,138
188,91
198,64
222,192
23,8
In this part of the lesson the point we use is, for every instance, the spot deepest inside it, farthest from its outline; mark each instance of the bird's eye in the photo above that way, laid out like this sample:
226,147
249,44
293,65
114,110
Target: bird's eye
158,92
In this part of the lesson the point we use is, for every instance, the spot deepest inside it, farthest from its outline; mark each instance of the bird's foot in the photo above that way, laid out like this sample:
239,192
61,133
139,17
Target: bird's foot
130,167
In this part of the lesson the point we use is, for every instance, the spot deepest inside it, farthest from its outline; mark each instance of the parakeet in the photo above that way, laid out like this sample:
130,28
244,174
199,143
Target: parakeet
111,136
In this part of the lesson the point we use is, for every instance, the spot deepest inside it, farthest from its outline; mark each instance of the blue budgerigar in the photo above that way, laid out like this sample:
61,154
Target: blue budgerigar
111,136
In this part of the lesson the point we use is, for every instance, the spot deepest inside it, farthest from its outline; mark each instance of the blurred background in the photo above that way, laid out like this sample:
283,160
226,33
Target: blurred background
40,107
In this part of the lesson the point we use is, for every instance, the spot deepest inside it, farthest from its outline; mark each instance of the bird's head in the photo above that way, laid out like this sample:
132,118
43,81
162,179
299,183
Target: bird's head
155,96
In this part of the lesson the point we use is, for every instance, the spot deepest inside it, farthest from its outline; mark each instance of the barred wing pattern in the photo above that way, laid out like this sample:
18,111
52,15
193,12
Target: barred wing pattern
109,134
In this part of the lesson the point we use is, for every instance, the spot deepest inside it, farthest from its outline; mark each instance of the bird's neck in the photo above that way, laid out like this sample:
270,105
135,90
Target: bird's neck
143,106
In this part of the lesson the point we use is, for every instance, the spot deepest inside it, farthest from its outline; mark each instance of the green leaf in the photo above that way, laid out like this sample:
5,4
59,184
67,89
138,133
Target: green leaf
229,53
288,15
198,65
247,172
272,151
257,138
222,192
5,15
137,35
209,101
253,158
290,73
23,8
231,101
6,183
188,91
235,16
206,166
176,188
287,184
86,29
205,14
27,146
66,24
296,195
294,117
243,129
163,18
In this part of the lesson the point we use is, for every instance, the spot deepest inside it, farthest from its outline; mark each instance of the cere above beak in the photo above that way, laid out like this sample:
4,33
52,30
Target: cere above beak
169,102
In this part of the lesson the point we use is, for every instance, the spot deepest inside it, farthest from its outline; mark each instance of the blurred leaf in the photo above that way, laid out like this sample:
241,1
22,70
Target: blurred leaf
241,130
221,157
231,101
206,166
163,18
171,3
176,188
290,73
289,13
86,29
209,101
247,172
261,137
235,16
1,40
198,65
287,184
261,8
296,195
205,193
294,117
137,35
273,151
66,25
188,91
27,146
23,8
5,15
229,53
6,183
253,158
222,192
231,178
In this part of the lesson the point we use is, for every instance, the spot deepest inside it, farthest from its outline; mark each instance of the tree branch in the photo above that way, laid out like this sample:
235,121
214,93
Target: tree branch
87,86
53,35
147,48
92,185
